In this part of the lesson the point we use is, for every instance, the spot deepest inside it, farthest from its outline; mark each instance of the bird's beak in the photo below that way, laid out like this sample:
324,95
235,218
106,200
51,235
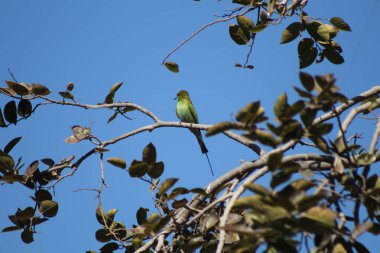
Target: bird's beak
175,98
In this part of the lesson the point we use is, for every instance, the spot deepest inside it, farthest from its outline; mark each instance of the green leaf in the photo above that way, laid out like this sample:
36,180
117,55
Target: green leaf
258,189
307,202
156,170
321,128
113,116
239,34
10,112
245,22
109,98
48,161
280,106
6,162
10,229
11,145
102,235
149,153
333,56
120,229
366,159
24,108
111,214
338,248
42,195
304,45
295,109
166,185
172,66
318,31
307,173
66,94
251,114
128,109
11,178
258,28
221,127
281,177
70,86
154,218
245,2
142,215
302,184
25,215
27,236
115,87
178,191
307,57
275,213
333,33
208,220
40,90
179,203
199,191
138,168
291,32
248,202
210,246
19,88
270,6
308,116
118,162
340,23
274,160
109,247
307,81
320,143
48,208
105,218
101,216
322,215
265,138
32,168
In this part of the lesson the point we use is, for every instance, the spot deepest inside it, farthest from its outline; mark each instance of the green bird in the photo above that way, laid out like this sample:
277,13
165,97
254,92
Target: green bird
186,113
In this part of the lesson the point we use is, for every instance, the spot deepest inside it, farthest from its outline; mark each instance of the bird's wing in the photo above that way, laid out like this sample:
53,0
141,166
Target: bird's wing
193,113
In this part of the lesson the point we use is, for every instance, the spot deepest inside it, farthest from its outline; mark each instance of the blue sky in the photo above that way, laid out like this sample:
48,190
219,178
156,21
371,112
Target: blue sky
97,43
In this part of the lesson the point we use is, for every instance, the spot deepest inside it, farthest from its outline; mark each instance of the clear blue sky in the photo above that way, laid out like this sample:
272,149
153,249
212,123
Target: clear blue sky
97,43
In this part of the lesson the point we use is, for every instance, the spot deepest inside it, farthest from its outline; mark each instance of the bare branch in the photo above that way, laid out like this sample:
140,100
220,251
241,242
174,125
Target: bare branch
375,138
203,28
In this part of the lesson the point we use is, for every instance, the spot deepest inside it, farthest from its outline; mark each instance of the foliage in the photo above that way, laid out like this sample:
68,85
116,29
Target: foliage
316,35
313,198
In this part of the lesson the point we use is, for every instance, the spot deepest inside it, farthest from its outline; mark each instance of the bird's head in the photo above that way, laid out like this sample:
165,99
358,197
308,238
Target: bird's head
182,94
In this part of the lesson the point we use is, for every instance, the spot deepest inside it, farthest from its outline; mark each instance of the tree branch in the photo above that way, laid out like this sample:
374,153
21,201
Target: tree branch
203,28
235,196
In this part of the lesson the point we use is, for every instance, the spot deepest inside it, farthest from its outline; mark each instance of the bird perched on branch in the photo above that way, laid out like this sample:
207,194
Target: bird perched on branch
186,113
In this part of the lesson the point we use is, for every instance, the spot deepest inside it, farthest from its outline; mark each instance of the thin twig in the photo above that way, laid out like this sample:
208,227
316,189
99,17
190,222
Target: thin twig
203,28
12,75
208,207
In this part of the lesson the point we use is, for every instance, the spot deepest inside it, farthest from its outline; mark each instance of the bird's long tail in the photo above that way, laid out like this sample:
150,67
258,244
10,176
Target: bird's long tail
204,149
